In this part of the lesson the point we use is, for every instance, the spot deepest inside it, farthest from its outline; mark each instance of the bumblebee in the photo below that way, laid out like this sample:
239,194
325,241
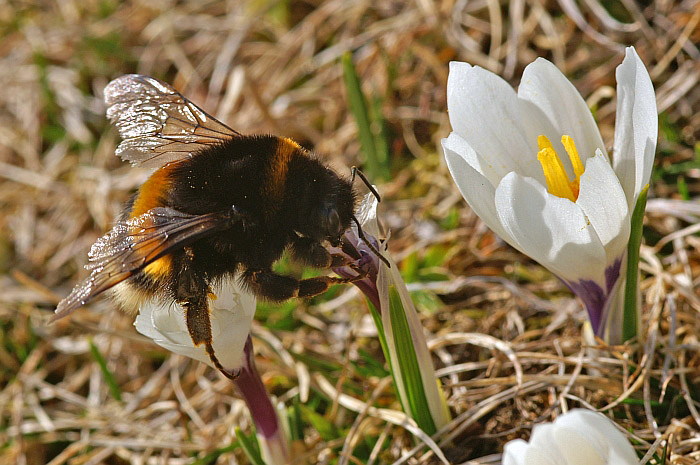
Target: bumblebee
218,204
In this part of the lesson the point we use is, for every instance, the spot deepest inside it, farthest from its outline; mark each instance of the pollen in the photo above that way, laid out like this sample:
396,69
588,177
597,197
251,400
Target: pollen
558,182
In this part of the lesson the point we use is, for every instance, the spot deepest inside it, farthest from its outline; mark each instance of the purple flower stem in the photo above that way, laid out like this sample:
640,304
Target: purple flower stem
251,387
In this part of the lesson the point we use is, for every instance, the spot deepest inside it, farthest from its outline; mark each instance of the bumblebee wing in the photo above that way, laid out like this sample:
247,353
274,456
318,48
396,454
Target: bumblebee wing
133,244
157,124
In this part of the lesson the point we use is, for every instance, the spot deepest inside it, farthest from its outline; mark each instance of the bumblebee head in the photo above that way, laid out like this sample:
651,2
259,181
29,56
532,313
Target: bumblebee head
324,205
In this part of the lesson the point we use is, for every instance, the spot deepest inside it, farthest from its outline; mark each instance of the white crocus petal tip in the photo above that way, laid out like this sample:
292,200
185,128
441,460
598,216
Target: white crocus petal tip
636,125
552,106
459,67
577,437
231,314
367,213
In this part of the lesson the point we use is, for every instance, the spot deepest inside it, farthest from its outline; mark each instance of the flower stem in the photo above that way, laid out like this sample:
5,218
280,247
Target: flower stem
630,318
272,439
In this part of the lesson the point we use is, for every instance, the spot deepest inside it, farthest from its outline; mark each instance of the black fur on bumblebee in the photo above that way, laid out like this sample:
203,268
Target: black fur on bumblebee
219,203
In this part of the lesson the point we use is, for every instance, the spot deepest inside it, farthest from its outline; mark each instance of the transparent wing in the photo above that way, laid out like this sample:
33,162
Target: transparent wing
157,124
133,244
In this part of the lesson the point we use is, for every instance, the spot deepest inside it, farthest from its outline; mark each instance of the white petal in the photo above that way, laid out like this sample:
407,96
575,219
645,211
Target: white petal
231,315
514,452
579,448
551,105
367,214
603,201
636,126
601,430
543,449
551,230
456,144
542,456
483,109
476,189
579,437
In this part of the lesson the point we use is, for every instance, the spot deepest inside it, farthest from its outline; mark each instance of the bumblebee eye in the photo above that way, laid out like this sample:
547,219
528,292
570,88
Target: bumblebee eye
333,226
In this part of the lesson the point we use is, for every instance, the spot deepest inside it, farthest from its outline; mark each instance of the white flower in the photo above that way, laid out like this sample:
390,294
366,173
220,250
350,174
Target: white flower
231,314
579,437
571,215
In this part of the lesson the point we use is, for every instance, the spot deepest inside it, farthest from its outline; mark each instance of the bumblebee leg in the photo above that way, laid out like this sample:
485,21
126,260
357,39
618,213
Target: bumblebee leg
191,291
277,287
320,284
310,252
270,285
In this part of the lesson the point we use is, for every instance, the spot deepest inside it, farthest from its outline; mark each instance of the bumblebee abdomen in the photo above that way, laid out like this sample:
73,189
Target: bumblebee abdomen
154,191
153,282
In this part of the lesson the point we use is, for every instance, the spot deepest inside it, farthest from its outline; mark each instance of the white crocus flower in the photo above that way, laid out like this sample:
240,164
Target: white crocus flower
571,214
579,437
231,311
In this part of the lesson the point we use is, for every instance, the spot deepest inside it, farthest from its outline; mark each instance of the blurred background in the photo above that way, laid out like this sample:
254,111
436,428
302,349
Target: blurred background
90,390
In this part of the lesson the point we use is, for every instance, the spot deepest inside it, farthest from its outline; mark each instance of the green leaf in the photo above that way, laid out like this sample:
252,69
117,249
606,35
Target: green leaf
213,456
373,367
629,321
250,447
109,378
683,188
296,425
325,428
408,365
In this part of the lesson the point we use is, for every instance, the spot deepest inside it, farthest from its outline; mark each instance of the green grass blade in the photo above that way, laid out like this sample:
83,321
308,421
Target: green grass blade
629,321
381,139
326,429
359,109
296,425
250,447
108,376
213,456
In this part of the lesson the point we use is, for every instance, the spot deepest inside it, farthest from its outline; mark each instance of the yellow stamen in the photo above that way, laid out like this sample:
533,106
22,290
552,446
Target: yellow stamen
570,148
557,180
543,142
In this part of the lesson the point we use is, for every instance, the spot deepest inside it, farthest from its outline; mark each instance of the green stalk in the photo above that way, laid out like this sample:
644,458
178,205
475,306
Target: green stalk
629,320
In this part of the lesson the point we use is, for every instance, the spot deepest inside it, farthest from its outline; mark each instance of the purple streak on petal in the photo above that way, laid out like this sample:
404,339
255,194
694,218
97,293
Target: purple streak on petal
593,297
612,274
255,395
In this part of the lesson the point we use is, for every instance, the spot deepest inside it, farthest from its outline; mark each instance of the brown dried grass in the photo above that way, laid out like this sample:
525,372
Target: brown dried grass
265,69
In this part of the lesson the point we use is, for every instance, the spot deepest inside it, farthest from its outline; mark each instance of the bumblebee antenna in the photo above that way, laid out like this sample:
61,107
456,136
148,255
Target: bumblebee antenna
369,244
369,185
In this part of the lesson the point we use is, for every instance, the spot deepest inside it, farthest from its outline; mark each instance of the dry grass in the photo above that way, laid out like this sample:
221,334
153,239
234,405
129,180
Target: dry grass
263,67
